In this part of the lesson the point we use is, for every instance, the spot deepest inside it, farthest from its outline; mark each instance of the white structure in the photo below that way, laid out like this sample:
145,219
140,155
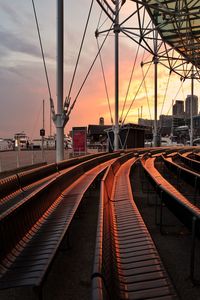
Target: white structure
6,145
21,140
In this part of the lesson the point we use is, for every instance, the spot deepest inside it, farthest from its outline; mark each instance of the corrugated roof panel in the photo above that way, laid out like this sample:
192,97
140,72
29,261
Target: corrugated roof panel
178,23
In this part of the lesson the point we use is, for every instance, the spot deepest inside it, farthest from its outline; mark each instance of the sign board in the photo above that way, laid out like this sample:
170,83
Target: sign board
79,137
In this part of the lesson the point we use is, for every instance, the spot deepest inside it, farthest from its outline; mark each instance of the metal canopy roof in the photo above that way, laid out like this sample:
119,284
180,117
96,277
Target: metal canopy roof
178,23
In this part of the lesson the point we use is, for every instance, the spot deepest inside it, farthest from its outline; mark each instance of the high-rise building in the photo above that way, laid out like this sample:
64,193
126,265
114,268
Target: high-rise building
194,105
178,108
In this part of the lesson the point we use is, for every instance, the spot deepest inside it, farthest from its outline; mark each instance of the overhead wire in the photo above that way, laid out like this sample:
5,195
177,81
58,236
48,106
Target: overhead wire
145,87
106,19
183,92
105,83
80,49
100,15
35,124
175,97
165,93
129,84
136,94
42,51
87,74
86,77
102,68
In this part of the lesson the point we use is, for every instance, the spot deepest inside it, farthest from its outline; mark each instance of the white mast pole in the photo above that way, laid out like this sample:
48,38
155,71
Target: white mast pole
60,46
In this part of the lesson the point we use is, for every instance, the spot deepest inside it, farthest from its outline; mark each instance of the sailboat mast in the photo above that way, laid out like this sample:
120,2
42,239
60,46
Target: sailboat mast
116,31
43,130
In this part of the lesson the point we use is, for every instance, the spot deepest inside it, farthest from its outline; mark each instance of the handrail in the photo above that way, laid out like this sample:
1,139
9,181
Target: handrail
190,162
99,282
19,180
185,211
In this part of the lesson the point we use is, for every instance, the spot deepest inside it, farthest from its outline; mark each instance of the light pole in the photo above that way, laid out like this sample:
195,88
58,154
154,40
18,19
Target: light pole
60,119
155,132
116,31
191,106
60,45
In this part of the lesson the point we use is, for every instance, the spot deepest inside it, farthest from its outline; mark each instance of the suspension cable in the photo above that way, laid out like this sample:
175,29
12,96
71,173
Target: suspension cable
183,92
136,93
86,77
105,83
129,84
80,49
165,93
42,51
145,87
175,97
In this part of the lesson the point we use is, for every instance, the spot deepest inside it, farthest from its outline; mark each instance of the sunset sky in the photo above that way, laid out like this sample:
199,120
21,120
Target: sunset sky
22,80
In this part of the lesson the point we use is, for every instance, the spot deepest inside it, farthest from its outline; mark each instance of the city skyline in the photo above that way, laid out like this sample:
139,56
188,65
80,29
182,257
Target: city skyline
22,81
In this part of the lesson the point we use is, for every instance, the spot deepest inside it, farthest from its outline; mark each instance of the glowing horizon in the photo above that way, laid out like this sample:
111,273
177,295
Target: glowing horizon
23,85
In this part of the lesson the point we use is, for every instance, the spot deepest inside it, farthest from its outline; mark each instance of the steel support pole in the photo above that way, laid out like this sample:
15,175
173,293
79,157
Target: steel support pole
116,31
155,135
60,46
191,107
155,132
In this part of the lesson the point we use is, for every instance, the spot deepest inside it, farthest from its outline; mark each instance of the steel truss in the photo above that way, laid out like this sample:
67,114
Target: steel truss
177,24
169,30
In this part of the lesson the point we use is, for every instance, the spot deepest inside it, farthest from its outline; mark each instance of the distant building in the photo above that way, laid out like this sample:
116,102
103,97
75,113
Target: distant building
97,136
178,108
196,125
182,134
148,127
194,105
131,136
145,122
97,133
21,140
165,125
178,121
